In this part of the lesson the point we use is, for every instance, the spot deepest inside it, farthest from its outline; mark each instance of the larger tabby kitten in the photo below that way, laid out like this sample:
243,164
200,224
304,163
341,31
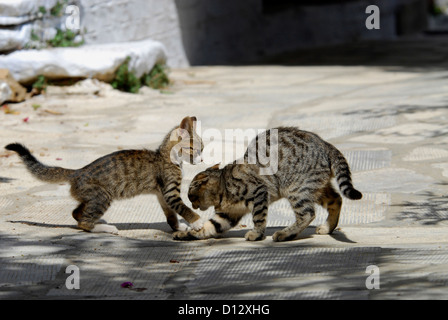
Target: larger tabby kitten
125,174
306,165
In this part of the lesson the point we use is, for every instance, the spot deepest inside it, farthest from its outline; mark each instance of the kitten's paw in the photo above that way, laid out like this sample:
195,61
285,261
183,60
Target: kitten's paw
283,236
253,235
104,228
183,235
183,227
323,229
197,225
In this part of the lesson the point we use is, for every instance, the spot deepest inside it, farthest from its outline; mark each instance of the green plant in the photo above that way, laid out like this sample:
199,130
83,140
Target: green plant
64,39
125,80
41,83
57,10
157,78
34,36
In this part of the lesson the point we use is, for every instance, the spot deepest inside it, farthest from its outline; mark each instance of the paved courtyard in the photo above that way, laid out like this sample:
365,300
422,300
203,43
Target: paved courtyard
385,108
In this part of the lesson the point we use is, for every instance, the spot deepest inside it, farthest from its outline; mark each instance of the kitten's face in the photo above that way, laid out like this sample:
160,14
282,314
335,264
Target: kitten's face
191,149
188,144
204,191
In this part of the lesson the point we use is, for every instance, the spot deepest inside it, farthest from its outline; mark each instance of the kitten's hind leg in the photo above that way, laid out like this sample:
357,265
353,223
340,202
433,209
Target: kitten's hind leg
259,214
332,201
303,207
92,211
77,213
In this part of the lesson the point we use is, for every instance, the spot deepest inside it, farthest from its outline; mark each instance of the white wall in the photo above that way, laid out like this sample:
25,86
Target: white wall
126,20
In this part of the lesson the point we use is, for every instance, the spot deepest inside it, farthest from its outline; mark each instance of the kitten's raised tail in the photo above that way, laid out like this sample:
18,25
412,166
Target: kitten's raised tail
38,169
341,171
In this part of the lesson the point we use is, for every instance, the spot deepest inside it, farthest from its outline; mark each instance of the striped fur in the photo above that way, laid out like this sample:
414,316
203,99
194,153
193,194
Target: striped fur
124,174
306,166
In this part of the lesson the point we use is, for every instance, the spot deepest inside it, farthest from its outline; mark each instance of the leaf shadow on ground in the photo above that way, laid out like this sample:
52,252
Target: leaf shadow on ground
430,211
35,268
308,233
162,226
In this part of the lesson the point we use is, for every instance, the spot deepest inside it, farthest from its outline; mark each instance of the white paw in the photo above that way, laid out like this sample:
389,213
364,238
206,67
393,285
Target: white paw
197,225
253,235
183,227
323,229
105,228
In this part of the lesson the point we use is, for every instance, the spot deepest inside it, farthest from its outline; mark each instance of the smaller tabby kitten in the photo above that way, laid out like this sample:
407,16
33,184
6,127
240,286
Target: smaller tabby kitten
306,165
125,174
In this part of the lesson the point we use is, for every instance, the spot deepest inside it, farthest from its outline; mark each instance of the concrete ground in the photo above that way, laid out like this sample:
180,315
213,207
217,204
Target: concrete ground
384,105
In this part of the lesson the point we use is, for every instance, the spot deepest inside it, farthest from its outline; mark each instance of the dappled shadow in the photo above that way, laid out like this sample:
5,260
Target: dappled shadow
235,233
36,269
320,273
278,272
5,179
308,233
416,273
44,225
163,226
432,210
341,236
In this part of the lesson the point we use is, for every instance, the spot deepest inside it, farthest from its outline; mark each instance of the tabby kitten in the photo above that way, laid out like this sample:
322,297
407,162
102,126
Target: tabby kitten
306,165
125,174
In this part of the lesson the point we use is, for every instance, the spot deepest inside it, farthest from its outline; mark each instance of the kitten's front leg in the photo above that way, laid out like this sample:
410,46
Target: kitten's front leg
217,225
172,199
259,212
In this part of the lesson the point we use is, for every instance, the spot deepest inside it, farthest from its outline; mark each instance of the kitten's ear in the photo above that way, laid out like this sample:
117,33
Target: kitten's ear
194,121
186,124
201,178
215,167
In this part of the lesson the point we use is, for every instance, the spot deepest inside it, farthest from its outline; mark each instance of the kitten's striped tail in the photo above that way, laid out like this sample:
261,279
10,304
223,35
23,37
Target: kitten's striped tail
341,171
38,169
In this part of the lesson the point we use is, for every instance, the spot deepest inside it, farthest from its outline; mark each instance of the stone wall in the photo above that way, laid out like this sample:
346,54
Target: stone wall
101,22
218,31
125,20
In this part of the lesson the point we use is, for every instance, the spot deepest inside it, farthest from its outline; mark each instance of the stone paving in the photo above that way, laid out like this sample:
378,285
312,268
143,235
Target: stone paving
389,121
